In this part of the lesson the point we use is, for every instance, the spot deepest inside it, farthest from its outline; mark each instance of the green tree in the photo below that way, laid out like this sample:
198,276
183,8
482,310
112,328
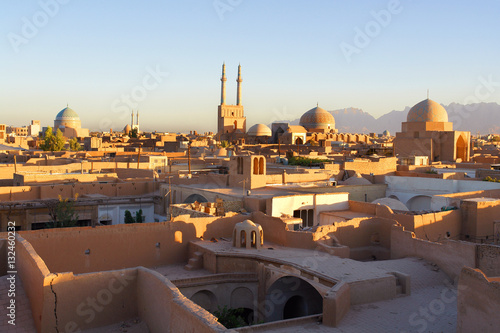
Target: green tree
138,216
230,318
62,213
128,217
224,144
74,145
52,142
131,219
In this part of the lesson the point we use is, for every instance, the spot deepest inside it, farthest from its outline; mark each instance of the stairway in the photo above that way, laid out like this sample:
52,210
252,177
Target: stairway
196,262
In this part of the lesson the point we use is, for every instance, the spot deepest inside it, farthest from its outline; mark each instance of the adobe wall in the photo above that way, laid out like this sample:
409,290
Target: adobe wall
165,309
381,167
454,199
311,176
62,166
478,302
124,173
89,300
23,179
31,269
432,226
181,193
20,193
362,207
365,237
98,299
478,218
287,204
112,247
356,192
451,256
213,227
488,259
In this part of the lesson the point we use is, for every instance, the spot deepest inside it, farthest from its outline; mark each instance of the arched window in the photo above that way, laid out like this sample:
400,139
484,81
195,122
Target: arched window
255,166
243,238
178,236
253,239
261,166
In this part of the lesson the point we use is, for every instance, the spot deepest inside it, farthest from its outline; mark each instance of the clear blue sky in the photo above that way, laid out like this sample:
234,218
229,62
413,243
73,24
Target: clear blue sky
90,53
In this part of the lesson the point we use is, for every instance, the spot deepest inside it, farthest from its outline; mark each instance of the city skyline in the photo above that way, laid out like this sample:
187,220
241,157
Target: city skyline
377,56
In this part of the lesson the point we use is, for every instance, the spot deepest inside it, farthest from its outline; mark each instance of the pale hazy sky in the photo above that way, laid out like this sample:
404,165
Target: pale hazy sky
101,57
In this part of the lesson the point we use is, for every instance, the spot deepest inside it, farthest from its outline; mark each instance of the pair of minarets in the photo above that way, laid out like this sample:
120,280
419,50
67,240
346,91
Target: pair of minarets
223,86
132,119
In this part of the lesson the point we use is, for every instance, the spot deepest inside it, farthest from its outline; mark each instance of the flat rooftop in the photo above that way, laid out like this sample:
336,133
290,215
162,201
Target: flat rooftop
335,268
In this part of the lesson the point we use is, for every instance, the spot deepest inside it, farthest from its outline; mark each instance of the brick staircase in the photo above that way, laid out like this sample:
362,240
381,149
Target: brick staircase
195,262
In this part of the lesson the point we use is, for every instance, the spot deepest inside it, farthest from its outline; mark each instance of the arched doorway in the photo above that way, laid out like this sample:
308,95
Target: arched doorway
243,298
206,299
292,297
299,141
462,149
295,307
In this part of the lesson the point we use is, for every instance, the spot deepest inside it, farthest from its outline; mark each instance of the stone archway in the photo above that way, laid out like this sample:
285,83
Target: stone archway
195,197
299,141
292,297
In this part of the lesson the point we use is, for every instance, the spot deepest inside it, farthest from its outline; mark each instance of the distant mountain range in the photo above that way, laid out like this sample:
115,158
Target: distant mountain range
481,117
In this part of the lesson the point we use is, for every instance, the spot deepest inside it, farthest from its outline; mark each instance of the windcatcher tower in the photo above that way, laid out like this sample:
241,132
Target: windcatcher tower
231,120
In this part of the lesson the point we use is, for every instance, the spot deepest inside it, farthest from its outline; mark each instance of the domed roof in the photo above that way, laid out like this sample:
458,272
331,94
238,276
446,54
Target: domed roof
67,114
357,179
221,152
427,111
127,129
317,118
386,133
391,203
259,130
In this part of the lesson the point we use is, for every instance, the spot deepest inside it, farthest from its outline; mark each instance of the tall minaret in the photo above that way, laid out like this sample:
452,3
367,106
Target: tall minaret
137,119
132,122
223,79
239,80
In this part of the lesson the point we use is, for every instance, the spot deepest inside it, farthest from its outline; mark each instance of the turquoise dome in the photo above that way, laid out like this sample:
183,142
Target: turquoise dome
67,114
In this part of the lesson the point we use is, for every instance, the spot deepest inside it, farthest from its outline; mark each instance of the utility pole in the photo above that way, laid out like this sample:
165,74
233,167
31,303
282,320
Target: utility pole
189,158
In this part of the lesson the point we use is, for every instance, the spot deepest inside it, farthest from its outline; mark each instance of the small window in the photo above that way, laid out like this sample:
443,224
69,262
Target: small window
178,236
